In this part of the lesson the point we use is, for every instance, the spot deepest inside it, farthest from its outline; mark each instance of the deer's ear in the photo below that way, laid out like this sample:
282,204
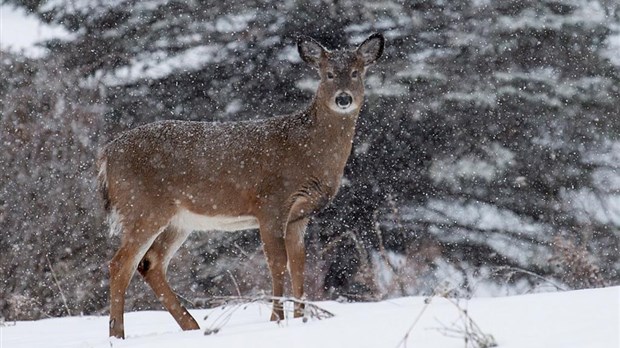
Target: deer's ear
310,50
371,49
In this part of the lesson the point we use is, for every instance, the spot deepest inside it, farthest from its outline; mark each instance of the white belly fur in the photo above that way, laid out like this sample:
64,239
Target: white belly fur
189,221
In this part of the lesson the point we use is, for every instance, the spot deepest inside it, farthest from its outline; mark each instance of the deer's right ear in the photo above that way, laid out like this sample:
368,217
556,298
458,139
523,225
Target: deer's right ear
310,50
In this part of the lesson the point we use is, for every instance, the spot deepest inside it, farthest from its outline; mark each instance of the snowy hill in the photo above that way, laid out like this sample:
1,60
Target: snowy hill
576,319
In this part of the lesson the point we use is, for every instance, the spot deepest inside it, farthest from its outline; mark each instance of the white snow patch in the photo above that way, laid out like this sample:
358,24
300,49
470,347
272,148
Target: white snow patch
590,13
450,170
478,215
418,67
613,48
589,206
289,54
233,107
378,86
479,98
479,222
158,64
307,84
80,6
21,32
234,23
575,319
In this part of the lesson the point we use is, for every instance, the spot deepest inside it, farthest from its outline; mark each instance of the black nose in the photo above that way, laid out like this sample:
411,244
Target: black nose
344,100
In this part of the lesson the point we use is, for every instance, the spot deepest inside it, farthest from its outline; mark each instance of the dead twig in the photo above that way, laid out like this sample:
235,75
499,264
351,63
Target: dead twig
382,252
62,293
467,329
234,282
403,341
514,270
230,304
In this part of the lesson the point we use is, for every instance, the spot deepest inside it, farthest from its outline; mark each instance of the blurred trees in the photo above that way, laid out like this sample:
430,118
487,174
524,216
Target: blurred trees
49,208
486,151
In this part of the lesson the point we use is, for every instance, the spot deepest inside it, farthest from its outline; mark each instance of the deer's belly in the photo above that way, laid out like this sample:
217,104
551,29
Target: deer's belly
189,221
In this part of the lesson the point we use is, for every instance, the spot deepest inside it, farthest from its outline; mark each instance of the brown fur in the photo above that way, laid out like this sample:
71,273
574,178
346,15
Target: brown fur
280,170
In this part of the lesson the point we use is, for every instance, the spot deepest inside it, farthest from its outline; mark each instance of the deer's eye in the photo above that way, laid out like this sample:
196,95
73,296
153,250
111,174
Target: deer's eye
330,75
354,74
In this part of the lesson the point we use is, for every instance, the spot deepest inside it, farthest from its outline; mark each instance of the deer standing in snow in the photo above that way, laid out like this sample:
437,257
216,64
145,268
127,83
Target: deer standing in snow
163,180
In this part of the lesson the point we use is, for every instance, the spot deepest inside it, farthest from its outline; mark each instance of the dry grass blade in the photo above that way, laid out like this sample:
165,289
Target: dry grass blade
467,329
62,293
230,304
510,270
403,341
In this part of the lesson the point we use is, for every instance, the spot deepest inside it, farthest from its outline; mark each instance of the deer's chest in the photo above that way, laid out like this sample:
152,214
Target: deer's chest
312,196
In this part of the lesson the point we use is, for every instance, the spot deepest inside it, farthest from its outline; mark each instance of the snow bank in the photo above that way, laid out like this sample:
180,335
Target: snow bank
577,319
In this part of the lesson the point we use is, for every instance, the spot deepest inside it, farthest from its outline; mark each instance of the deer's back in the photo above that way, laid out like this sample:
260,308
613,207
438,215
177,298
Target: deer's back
206,167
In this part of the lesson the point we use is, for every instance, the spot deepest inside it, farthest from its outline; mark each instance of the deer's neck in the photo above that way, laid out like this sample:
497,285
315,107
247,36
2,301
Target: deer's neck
330,139
336,127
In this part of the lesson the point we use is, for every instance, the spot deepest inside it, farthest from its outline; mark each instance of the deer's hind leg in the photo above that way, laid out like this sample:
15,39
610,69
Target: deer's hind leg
272,236
138,236
153,268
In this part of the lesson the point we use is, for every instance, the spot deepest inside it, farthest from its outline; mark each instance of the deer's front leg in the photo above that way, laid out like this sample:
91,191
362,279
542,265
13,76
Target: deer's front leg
274,247
296,252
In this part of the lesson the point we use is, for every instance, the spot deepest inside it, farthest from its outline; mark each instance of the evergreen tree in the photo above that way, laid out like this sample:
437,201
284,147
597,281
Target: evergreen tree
485,150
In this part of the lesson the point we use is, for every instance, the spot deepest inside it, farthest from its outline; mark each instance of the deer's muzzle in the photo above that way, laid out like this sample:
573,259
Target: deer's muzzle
344,100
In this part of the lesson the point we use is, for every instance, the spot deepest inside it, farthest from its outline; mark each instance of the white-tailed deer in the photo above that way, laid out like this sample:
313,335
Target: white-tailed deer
163,180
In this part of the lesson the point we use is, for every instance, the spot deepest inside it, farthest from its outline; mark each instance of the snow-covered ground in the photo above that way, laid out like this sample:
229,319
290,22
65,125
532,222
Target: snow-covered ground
575,319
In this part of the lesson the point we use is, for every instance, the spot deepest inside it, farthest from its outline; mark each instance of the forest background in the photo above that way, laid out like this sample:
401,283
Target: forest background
486,157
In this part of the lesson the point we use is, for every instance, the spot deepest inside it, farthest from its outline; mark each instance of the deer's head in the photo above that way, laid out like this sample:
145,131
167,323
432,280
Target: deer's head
342,71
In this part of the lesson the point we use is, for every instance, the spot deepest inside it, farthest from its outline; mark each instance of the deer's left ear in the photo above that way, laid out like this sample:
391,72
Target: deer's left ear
371,49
